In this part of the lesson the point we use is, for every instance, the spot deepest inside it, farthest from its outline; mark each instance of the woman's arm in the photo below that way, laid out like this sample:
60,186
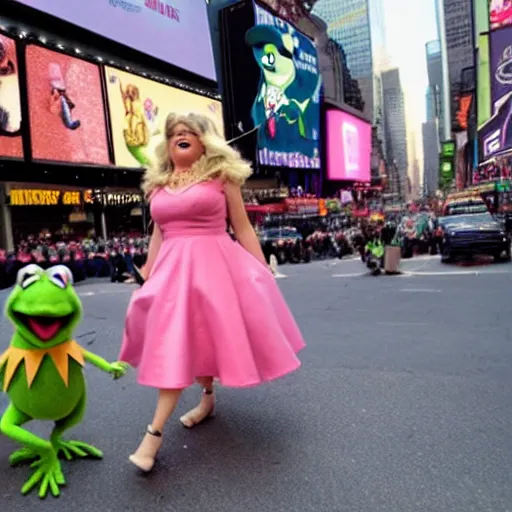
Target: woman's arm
240,223
154,247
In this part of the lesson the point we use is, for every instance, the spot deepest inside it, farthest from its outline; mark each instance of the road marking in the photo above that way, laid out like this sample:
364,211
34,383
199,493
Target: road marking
456,273
403,324
420,290
361,274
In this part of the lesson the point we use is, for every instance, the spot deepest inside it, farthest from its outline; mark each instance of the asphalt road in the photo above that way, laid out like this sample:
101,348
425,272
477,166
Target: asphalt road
403,404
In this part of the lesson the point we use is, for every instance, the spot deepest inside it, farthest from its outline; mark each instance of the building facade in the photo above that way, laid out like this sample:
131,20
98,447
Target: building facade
435,94
395,130
358,28
458,33
431,148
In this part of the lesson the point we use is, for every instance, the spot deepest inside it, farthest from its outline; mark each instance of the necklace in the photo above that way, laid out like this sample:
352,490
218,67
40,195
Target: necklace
181,179
185,178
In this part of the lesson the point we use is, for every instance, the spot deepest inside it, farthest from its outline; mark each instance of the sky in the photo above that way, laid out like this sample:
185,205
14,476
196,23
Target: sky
409,25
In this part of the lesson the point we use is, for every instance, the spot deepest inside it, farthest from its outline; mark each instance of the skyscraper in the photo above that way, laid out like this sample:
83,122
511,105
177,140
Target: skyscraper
435,82
433,129
458,33
395,129
359,29
431,148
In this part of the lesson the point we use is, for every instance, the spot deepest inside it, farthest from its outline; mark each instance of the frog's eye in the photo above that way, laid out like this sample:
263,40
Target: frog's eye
28,275
60,275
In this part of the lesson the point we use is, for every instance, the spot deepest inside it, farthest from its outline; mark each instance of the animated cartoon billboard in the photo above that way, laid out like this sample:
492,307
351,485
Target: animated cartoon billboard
278,96
138,108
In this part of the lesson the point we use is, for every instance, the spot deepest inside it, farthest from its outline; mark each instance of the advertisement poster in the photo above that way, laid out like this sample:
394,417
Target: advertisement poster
138,110
349,145
500,13
286,105
175,31
495,135
277,95
501,65
66,110
483,80
10,106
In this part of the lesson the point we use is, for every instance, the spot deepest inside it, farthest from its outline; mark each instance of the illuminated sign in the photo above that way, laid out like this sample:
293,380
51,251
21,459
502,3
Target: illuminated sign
35,197
492,143
463,112
448,149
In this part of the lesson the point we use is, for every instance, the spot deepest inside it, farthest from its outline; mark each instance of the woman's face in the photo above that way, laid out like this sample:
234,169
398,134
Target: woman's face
184,146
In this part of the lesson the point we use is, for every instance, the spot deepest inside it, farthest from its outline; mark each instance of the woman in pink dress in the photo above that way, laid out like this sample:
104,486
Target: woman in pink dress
210,307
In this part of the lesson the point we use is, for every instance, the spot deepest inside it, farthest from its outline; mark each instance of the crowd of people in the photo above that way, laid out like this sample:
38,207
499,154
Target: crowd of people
92,257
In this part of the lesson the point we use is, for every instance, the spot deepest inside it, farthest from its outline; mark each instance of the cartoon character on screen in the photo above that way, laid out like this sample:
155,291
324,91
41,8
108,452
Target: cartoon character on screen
60,103
10,105
42,373
286,91
140,121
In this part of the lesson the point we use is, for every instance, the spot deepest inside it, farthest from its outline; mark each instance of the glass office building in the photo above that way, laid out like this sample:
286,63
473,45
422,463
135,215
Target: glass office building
359,28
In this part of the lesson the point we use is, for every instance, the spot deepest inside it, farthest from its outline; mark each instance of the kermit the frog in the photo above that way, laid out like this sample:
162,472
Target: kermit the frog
42,373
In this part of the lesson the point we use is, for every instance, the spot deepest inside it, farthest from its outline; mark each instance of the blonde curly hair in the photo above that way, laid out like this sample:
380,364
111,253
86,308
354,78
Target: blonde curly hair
219,159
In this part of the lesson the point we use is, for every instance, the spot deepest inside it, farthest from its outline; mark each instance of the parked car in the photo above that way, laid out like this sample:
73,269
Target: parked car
286,244
468,234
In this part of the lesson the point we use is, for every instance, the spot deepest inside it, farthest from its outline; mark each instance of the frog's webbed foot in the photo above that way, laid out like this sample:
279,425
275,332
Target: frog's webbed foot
48,474
23,455
76,449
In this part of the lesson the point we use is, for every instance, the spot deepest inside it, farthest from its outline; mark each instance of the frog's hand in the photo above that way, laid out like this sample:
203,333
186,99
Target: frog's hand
117,369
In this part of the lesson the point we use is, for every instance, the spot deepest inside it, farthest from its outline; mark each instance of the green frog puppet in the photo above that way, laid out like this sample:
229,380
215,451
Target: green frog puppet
42,373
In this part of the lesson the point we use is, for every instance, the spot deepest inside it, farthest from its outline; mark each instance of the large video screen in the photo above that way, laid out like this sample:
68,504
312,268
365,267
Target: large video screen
495,136
138,109
501,65
500,13
349,144
11,145
175,31
66,110
273,86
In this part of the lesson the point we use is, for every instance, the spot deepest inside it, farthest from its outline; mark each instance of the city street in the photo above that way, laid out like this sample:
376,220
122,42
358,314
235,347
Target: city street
403,404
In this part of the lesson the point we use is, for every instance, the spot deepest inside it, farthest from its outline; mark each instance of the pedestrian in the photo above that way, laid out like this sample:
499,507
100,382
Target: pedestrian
210,307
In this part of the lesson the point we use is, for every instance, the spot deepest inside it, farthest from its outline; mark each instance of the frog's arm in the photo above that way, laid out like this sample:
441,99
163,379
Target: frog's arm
97,361
117,369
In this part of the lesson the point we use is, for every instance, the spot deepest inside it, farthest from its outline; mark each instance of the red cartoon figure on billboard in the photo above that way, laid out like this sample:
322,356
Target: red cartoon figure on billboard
61,104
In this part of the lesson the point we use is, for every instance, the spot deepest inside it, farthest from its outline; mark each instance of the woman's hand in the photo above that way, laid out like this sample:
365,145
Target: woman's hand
240,223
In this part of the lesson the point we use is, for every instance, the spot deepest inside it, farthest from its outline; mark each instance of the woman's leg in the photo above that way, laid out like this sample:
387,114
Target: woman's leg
144,457
205,406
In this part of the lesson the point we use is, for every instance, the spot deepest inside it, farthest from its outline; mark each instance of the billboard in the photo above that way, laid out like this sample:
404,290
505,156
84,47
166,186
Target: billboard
175,31
501,65
483,80
66,110
481,17
500,13
138,108
11,145
349,145
278,92
495,135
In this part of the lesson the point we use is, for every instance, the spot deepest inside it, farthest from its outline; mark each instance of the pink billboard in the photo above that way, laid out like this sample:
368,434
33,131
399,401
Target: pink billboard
349,143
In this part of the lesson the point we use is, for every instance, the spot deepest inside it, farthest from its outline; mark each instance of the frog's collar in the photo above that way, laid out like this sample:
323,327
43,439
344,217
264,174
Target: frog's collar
33,358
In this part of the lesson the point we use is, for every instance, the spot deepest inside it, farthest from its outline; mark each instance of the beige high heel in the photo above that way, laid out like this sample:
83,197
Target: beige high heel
196,415
144,457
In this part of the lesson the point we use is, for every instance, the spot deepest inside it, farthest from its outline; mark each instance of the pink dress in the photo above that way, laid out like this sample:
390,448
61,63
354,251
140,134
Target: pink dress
209,308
